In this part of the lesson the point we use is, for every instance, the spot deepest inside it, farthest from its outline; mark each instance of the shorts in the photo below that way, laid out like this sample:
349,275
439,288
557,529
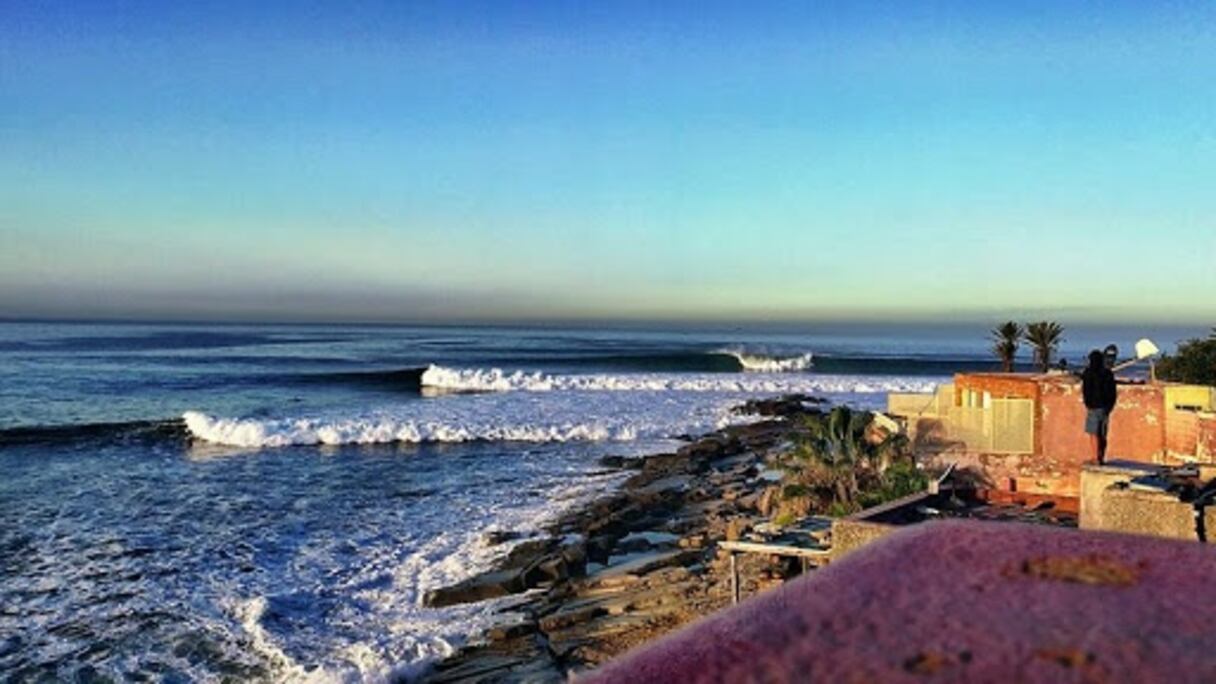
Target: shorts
1097,421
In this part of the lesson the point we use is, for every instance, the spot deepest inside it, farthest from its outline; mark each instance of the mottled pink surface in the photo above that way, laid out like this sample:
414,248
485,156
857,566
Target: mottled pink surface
964,601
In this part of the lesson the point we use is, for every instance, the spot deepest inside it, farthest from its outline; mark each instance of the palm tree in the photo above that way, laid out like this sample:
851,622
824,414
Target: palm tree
1045,337
837,444
1006,338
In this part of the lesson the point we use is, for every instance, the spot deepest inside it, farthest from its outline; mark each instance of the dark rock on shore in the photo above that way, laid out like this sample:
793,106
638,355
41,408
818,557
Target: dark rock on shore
788,405
623,462
633,565
496,537
485,586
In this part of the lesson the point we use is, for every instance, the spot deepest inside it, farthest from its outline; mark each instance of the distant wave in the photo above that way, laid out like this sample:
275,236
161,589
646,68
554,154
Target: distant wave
401,378
763,363
614,371
139,430
497,380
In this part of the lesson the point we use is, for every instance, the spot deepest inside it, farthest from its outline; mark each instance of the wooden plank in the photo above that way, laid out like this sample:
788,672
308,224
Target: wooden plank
774,549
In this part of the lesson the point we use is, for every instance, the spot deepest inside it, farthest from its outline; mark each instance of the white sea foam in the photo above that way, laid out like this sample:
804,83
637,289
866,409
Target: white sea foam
574,416
763,363
536,407
497,380
252,432
401,637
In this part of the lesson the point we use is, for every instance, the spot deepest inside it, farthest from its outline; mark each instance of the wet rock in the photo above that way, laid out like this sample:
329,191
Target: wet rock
788,405
521,665
641,565
545,571
570,617
527,553
486,586
512,630
496,537
705,449
623,462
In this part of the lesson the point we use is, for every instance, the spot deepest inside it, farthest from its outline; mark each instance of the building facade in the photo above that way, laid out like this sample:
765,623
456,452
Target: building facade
1025,433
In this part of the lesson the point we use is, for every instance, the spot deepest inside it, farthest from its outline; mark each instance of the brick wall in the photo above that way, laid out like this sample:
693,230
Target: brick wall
1181,435
1137,427
1206,438
1000,386
1142,429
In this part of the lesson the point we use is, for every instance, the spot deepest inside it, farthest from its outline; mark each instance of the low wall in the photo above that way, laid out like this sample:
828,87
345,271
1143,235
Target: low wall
1106,506
1095,481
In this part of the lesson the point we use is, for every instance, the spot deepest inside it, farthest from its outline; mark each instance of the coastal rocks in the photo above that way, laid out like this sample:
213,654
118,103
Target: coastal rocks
630,570
485,586
767,502
496,537
788,405
623,462
634,565
529,565
520,659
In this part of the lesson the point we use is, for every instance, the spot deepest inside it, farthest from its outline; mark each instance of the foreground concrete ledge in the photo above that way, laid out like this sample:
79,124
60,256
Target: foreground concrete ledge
964,601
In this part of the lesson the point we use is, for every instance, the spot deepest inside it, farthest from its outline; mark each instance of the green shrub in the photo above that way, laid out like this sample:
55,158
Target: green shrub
840,468
1195,362
901,479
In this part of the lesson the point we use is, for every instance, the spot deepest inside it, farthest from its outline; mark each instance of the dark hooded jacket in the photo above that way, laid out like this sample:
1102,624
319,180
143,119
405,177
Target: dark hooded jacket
1098,386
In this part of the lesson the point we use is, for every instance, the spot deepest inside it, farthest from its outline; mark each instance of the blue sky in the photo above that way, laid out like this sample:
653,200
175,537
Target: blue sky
399,161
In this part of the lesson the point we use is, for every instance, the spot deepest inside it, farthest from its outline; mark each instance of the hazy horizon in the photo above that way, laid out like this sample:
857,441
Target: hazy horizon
505,162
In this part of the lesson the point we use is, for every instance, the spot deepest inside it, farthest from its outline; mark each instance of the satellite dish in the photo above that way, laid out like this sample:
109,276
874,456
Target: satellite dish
1145,348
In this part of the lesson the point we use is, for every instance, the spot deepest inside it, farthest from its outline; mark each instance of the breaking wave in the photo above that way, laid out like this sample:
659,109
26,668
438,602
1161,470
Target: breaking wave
520,406
254,432
763,363
497,380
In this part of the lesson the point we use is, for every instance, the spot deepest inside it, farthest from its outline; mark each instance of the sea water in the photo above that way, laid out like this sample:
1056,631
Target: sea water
194,502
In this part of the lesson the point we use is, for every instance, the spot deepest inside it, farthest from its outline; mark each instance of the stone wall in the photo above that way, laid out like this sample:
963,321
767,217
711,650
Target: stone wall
1107,506
1095,480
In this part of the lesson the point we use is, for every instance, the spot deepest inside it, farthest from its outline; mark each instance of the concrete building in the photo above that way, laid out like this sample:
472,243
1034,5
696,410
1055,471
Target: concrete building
1024,432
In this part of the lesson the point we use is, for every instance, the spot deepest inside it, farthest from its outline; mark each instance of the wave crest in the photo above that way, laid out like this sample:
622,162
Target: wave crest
764,363
252,432
496,380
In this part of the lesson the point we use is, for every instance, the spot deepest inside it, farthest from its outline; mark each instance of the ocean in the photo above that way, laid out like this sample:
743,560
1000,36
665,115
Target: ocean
185,502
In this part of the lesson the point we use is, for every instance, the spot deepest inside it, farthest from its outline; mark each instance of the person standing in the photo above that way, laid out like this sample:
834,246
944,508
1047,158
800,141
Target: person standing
1100,394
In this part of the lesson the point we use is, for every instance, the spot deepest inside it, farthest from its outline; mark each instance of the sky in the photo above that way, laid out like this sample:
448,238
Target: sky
676,160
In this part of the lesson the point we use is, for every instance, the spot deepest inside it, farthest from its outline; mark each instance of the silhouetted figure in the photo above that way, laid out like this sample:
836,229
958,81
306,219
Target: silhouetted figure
1098,388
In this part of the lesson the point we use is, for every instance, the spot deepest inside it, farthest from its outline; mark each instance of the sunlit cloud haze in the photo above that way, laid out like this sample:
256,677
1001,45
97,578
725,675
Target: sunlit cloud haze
459,161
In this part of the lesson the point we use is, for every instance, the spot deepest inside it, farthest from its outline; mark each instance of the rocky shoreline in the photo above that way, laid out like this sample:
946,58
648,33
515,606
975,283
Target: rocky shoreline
634,565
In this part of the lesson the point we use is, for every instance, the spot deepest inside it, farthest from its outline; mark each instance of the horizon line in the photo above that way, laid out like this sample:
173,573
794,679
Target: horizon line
944,318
